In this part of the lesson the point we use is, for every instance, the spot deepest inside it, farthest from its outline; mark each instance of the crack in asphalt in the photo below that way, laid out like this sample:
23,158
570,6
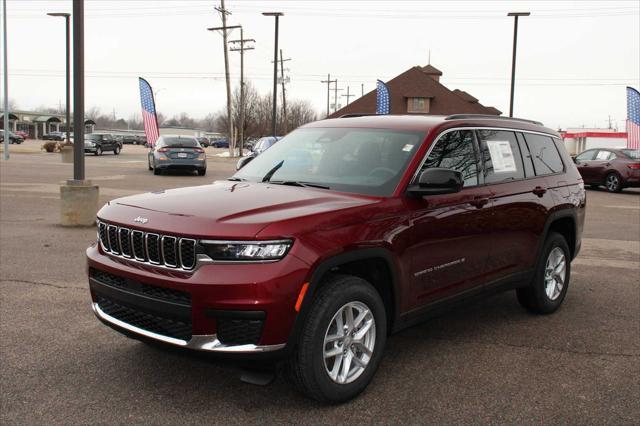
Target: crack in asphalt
544,348
40,283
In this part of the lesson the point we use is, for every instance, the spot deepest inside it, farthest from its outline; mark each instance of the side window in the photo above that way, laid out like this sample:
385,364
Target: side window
501,156
587,155
545,155
605,155
455,151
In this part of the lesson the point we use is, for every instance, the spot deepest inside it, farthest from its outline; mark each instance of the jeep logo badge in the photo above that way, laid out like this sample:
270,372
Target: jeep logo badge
141,219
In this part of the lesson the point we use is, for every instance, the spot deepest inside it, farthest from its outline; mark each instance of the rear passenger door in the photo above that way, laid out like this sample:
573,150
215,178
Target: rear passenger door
519,203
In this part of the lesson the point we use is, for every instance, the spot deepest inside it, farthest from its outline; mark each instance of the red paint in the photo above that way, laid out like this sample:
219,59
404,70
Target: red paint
464,243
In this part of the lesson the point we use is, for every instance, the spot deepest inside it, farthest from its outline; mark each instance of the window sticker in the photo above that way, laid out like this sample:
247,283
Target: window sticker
501,156
407,148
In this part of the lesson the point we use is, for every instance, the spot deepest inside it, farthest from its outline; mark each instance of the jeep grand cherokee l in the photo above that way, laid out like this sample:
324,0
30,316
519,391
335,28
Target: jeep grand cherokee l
343,232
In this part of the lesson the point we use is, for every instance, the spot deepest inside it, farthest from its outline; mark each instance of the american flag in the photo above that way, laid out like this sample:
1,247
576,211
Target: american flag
148,112
382,98
633,118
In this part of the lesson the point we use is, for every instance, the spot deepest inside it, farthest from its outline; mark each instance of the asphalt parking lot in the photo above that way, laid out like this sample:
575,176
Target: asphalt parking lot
489,362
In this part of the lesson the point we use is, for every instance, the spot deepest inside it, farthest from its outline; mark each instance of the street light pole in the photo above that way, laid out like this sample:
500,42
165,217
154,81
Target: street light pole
66,16
6,82
513,58
277,15
78,90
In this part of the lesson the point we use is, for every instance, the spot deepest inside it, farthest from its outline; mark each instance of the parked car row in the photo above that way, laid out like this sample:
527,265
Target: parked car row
54,136
615,169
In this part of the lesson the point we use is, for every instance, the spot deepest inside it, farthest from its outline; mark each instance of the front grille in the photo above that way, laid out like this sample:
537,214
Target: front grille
160,293
150,322
239,331
165,250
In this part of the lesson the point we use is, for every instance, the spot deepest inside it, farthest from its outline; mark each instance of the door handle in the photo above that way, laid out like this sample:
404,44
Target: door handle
479,202
539,191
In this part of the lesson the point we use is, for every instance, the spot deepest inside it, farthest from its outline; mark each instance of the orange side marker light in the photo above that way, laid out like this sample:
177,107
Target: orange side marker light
303,291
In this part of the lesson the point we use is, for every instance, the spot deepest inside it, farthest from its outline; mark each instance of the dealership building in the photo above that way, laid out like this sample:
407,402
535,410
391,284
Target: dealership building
580,139
36,124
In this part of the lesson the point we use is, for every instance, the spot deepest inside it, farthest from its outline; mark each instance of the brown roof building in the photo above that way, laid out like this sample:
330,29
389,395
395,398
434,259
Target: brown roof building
418,90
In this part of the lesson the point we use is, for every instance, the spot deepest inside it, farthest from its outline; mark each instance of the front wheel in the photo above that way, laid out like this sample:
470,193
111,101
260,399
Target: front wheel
116,150
613,183
549,287
98,151
341,342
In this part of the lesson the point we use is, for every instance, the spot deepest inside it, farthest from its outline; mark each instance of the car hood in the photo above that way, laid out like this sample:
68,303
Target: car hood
228,209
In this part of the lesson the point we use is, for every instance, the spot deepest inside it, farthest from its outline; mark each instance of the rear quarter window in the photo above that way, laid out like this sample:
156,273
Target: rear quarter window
544,154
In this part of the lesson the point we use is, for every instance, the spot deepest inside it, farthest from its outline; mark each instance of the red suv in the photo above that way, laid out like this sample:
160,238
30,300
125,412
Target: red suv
343,232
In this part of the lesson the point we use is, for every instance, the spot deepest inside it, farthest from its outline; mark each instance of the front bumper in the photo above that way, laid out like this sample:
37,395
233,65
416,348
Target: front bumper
218,294
205,342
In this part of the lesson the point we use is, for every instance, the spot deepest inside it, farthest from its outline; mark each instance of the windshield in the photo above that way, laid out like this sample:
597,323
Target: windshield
632,153
92,137
181,142
364,161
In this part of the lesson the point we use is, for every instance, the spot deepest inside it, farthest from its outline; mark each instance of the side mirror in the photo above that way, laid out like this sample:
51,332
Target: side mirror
437,181
575,159
243,162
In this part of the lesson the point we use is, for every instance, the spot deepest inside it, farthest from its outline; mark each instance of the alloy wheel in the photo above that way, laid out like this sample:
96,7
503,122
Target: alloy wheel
555,273
612,182
349,342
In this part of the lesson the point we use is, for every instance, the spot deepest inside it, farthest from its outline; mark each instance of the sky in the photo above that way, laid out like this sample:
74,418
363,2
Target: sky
574,58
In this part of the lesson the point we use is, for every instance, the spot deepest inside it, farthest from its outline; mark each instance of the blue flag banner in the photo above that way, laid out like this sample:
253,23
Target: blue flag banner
383,105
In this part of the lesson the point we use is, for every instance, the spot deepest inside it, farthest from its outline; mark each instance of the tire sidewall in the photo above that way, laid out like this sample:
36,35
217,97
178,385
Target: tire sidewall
356,290
544,302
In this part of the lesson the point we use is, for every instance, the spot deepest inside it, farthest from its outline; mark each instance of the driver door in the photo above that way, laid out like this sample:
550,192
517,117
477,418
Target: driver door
449,248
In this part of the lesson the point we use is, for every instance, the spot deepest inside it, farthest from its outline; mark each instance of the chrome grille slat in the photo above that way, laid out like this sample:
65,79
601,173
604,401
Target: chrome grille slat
148,247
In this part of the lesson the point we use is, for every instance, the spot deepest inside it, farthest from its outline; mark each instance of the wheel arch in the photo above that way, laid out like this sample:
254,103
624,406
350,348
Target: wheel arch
375,265
564,222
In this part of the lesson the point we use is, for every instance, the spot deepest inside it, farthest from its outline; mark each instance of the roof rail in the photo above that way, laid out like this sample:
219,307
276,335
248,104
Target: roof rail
357,114
490,117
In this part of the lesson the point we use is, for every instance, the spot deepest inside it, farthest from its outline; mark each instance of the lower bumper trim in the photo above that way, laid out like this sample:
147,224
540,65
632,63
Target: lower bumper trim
205,342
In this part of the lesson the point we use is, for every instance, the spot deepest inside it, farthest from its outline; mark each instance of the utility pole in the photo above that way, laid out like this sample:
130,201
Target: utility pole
224,28
329,81
348,95
241,49
335,95
513,58
276,15
284,97
6,81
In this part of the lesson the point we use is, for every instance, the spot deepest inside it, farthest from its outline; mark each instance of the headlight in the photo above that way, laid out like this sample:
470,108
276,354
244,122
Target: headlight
247,251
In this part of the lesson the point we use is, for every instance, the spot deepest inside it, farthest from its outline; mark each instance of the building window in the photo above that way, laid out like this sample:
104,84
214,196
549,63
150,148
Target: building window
418,105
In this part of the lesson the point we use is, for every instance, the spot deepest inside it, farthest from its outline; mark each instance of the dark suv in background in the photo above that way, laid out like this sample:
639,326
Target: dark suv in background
98,143
344,231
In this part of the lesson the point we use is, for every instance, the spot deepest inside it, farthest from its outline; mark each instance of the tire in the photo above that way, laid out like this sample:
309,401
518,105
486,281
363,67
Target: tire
149,164
544,295
156,171
202,172
116,150
309,370
98,150
613,183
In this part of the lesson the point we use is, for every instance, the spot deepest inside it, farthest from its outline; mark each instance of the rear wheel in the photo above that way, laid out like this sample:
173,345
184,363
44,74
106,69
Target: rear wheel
341,342
156,170
202,172
116,150
551,281
613,183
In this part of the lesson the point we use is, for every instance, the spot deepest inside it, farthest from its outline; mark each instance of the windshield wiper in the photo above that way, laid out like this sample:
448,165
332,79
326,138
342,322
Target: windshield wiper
299,183
271,172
